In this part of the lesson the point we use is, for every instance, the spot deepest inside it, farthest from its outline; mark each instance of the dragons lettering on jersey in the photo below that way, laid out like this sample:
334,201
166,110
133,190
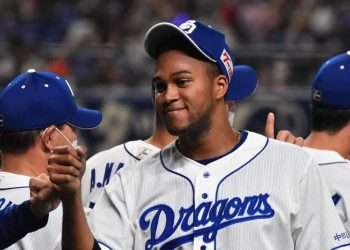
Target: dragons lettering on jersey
205,220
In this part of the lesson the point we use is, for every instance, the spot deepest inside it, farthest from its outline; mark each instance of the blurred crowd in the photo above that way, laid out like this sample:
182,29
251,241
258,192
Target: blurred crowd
99,42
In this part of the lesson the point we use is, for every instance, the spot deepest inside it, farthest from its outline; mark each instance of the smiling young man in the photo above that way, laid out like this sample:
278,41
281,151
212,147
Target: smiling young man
101,167
214,187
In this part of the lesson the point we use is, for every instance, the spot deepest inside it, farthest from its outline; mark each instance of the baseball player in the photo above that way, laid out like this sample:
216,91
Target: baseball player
102,166
214,187
29,216
330,129
38,112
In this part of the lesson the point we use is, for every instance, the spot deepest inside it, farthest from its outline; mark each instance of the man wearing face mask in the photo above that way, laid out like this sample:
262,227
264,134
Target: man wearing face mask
38,113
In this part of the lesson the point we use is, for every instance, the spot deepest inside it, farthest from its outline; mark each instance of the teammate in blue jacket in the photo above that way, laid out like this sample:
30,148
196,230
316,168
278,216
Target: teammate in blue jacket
29,216
39,113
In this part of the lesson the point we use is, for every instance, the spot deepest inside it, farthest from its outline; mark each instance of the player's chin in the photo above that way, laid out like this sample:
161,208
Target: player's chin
176,129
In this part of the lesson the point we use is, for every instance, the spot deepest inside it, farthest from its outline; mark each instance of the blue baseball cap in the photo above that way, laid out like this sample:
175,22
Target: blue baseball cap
244,79
331,86
211,44
36,100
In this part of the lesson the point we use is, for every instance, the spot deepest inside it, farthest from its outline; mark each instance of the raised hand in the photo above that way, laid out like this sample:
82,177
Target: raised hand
282,135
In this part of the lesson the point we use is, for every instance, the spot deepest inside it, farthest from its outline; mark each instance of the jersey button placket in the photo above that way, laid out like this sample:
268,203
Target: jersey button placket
203,194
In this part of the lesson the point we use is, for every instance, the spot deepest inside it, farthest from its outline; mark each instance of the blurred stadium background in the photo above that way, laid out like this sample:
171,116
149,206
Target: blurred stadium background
98,46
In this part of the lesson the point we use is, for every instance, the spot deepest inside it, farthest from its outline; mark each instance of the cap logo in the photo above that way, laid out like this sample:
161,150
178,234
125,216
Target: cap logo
227,61
189,26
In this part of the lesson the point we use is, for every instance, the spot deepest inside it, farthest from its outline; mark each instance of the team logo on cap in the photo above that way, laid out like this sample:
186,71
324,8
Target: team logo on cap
189,26
227,61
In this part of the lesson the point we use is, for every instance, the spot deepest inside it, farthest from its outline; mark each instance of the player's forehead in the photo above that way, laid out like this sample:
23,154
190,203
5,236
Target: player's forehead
176,62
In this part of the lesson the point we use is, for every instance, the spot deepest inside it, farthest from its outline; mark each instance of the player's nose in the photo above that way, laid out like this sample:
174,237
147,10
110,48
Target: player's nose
171,93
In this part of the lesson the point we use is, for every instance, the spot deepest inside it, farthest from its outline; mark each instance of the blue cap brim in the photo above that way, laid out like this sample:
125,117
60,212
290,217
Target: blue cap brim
86,118
244,79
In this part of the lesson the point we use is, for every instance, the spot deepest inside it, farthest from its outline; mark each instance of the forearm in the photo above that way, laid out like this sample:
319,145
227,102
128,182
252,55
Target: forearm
76,233
17,222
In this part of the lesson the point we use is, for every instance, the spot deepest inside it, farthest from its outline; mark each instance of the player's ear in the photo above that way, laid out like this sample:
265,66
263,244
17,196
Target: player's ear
46,138
221,86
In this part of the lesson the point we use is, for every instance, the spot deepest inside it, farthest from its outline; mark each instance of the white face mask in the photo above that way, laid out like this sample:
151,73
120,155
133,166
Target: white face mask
74,143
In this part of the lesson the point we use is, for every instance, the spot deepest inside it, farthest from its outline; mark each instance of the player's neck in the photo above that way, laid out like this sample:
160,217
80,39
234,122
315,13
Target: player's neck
215,142
160,138
325,141
31,163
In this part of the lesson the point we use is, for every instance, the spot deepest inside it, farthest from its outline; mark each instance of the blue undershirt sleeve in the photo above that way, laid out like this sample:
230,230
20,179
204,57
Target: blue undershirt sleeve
16,222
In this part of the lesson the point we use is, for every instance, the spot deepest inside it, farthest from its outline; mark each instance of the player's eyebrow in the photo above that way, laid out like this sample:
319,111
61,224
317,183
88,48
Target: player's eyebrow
177,73
180,72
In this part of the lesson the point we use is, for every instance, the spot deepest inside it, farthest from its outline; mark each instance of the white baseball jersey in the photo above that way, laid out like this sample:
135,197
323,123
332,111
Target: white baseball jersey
264,195
101,166
14,189
336,171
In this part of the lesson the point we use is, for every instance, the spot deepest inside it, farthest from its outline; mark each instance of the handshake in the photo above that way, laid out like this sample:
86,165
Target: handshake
66,167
